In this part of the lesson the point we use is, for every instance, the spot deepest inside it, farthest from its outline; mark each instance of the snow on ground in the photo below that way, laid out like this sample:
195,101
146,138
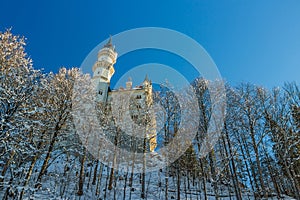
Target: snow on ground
61,184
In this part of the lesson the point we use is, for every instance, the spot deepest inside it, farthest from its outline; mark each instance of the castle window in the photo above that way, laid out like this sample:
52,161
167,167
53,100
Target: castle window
100,92
134,117
138,96
138,106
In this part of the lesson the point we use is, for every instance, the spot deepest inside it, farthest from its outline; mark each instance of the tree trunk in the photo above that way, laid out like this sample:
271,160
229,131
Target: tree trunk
5,167
232,168
125,185
81,174
263,188
211,156
28,175
167,183
99,179
95,173
112,171
293,180
276,187
203,179
178,184
144,169
255,147
48,156
253,174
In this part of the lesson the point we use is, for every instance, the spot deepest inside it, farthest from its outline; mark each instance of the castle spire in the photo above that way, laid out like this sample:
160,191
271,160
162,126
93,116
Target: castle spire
147,82
109,43
146,78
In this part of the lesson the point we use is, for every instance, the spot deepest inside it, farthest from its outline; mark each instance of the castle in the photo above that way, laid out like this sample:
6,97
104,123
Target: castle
134,102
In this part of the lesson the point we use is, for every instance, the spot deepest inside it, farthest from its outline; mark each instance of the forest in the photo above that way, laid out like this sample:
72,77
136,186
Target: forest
256,156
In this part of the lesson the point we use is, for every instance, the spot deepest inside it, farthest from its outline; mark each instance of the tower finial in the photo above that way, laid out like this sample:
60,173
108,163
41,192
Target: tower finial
109,43
146,78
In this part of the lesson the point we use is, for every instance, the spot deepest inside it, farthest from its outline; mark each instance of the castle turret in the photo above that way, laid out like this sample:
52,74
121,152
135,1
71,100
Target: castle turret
104,69
129,84
147,85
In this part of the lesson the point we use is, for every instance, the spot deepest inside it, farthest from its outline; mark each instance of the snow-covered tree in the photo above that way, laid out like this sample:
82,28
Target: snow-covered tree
19,84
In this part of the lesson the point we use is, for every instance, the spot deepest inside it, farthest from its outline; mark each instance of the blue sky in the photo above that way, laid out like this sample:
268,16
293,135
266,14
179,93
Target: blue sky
252,41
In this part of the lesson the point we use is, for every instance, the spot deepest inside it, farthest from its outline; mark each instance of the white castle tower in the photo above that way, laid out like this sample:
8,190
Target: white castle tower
104,69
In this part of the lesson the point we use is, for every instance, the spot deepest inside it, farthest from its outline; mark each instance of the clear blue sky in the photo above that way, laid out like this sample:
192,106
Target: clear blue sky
252,41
